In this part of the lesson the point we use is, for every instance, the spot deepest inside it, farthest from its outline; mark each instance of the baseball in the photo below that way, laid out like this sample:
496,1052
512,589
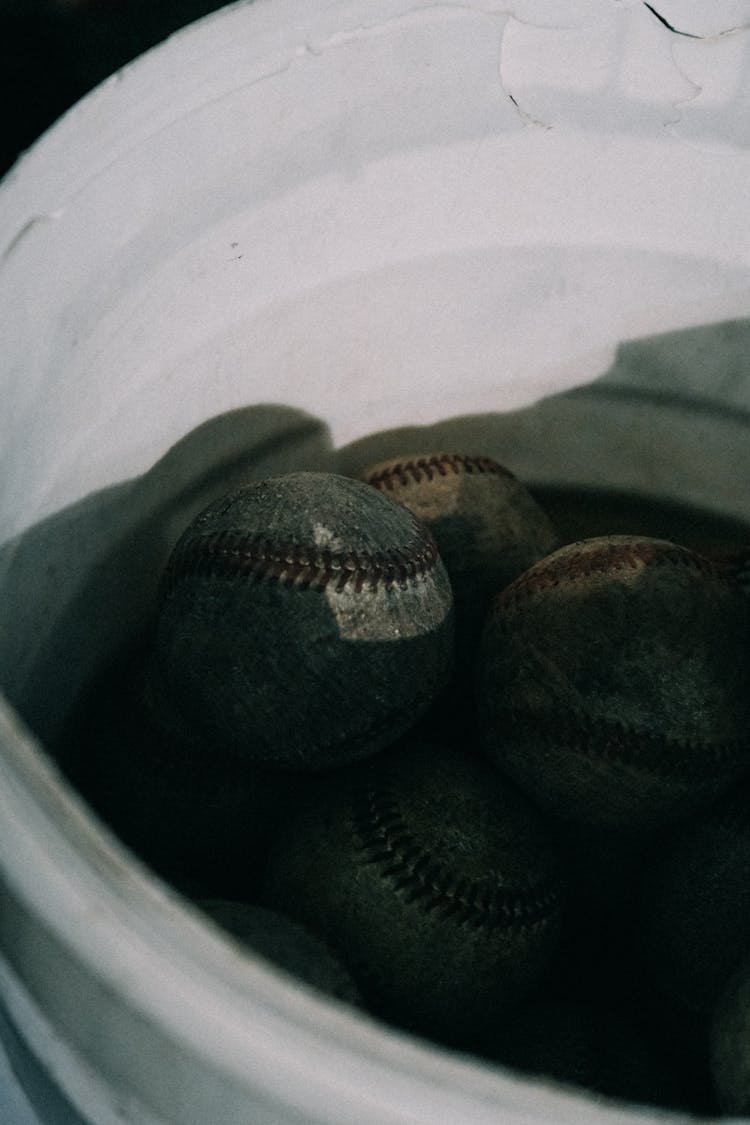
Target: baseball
432,877
487,526
306,621
613,682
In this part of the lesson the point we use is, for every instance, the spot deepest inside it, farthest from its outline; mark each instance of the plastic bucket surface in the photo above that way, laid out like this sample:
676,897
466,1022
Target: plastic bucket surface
286,229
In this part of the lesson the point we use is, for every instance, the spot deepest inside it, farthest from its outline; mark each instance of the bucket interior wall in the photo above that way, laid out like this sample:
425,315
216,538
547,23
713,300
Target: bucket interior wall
286,231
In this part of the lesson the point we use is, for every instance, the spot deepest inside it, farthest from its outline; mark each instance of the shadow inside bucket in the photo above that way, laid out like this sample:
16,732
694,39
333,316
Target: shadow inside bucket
657,445
81,585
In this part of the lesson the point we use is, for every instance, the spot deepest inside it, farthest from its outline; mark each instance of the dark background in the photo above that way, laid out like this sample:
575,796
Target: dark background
53,51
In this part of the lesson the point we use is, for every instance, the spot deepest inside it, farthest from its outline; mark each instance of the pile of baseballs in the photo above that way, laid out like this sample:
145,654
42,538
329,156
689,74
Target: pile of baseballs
487,786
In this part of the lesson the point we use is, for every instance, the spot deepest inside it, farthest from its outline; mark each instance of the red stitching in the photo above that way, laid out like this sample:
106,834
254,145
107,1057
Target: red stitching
610,558
426,468
304,565
386,841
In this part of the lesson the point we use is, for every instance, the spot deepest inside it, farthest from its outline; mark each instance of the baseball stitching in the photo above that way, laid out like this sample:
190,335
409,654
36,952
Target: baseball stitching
427,468
231,553
610,558
386,841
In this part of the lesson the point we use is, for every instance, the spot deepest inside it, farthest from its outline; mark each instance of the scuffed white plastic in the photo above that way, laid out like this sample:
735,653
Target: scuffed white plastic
376,212
381,212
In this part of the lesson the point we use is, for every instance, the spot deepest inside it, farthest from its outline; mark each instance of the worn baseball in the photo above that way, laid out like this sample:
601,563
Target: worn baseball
613,682
432,878
487,526
306,621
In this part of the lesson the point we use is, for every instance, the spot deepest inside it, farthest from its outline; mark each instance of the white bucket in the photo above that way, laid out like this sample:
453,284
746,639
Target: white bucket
376,214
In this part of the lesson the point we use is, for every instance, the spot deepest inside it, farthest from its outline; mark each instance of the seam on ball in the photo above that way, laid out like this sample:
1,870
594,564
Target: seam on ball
258,558
427,468
386,841
609,559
